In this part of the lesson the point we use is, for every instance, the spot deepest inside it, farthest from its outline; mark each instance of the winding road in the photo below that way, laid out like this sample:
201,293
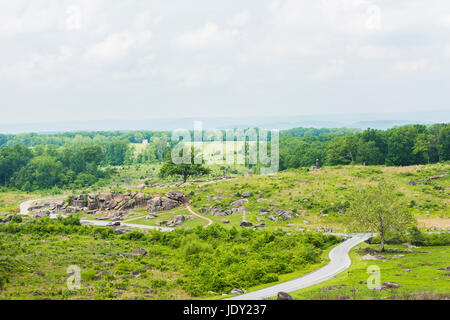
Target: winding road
339,258
24,206
339,261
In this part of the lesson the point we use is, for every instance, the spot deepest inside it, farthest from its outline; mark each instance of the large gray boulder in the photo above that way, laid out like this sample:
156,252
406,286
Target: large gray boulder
239,203
283,214
162,204
284,296
175,195
246,224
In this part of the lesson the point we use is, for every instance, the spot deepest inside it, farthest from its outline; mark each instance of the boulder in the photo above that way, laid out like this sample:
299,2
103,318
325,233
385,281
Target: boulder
283,214
247,194
238,210
225,221
216,212
151,216
140,200
239,203
175,195
237,291
246,224
272,218
162,204
71,209
284,296
178,220
390,285
370,257
260,225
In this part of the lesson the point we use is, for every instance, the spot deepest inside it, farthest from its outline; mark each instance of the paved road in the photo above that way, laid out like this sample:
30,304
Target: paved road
339,261
24,206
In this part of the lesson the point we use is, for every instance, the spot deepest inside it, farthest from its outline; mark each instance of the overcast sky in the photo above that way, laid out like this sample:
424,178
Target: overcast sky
110,59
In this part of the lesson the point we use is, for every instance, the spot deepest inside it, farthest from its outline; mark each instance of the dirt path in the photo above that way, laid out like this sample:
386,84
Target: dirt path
210,222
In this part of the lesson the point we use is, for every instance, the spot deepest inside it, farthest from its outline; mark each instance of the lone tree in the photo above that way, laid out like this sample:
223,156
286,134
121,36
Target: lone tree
170,169
379,209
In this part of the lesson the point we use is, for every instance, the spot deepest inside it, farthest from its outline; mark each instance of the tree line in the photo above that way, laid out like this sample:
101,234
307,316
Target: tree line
72,160
400,146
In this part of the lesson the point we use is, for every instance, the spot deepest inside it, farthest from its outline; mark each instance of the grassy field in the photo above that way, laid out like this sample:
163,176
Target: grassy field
319,199
316,199
417,273
42,262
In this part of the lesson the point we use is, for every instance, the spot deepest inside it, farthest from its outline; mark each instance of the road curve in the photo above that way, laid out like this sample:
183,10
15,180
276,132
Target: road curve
339,261
24,206
210,222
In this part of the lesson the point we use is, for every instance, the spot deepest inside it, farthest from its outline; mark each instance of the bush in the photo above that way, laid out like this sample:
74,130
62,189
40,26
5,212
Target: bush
270,277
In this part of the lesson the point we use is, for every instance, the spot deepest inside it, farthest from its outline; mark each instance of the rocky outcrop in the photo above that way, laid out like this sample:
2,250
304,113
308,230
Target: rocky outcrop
108,202
162,204
173,200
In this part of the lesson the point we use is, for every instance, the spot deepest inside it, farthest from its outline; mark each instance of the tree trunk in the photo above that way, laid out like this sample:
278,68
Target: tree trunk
382,241
185,176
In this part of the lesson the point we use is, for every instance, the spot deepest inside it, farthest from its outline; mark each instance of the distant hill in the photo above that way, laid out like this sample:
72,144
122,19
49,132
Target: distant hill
359,121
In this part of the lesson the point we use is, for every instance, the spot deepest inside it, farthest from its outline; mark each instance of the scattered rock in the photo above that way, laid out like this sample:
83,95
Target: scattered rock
225,221
247,194
284,296
239,203
237,291
246,224
283,214
391,285
260,225
370,257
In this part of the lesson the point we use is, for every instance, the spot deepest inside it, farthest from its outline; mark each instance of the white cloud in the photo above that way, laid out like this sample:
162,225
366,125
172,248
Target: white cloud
412,65
209,34
332,70
116,46
377,52
240,20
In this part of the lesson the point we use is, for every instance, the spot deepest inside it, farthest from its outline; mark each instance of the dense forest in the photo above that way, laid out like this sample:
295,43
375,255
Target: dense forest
74,160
